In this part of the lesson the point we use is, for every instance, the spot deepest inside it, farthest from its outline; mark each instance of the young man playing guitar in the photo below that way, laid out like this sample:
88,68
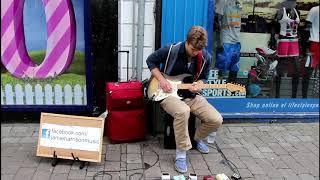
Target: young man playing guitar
184,58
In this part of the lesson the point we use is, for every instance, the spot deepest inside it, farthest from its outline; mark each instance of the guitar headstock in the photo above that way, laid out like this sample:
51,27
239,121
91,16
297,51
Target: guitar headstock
236,87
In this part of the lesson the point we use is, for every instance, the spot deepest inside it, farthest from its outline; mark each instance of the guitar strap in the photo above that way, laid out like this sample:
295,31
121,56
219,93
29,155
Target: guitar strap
165,66
172,57
199,66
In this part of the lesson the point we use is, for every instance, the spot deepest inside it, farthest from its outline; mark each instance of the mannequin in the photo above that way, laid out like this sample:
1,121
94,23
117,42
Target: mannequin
312,46
227,25
287,17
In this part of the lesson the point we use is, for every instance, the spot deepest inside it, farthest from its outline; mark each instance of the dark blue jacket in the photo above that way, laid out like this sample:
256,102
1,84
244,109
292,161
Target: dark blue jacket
179,64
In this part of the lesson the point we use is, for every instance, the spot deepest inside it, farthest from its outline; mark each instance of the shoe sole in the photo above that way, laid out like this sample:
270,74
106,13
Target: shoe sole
179,170
202,151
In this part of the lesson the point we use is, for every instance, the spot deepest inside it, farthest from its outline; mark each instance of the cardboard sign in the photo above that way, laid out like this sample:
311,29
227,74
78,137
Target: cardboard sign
69,136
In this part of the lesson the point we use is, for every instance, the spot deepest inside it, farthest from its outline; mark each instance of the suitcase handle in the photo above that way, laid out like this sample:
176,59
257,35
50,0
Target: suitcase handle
127,62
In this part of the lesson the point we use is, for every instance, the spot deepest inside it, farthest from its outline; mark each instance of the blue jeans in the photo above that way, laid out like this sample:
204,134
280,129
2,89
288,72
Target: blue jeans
228,60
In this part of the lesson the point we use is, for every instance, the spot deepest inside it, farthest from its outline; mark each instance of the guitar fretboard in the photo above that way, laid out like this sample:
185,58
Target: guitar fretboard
203,86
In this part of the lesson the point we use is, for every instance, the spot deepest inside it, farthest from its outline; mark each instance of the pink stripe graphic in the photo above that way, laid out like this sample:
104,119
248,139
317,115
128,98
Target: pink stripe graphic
24,54
5,5
14,62
5,20
56,17
8,53
60,63
59,31
17,42
51,7
45,2
14,11
72,50
30,72
21,69
53,56
21,63
14,34
7,38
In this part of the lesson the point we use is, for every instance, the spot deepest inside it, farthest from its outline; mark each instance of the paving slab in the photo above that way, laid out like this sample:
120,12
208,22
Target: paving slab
257,150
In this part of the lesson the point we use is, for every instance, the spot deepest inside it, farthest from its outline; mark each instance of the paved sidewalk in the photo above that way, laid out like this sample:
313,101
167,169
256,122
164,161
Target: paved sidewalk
260,151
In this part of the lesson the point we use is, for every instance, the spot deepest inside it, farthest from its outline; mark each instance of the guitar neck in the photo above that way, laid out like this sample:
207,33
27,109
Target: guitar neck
203,86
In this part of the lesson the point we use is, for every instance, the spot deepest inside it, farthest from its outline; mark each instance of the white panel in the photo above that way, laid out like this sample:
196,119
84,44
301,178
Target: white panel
78,95
125,13
125,35
48,94
149,35
146,52
68,95
58,94
146,74
19,94
122,57
122,61
29,94
85,95
38,94
136,12
2,96
9,94
149,15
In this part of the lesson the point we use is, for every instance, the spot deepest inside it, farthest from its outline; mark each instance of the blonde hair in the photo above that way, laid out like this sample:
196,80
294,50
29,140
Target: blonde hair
197,37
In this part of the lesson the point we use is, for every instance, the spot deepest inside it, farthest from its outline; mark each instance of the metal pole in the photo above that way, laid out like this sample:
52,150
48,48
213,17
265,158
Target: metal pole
140,42
133,55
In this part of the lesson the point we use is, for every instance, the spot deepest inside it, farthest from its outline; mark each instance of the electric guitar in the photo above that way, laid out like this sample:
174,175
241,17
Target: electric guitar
156,93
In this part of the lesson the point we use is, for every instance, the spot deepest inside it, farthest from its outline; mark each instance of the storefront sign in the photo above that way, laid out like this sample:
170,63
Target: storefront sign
267,108
220,93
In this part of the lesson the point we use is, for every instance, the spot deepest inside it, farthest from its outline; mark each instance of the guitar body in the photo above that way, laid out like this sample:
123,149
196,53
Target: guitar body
185,93
180,87
157,94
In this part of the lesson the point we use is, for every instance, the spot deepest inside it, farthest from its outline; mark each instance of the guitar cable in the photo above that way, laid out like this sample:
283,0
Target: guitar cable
232,166
145,166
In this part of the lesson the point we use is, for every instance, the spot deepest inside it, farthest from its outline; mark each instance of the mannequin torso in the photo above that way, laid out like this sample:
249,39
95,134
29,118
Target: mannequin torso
288,18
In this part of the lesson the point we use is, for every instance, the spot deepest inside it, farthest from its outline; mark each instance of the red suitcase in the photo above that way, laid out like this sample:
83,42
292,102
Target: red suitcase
126,112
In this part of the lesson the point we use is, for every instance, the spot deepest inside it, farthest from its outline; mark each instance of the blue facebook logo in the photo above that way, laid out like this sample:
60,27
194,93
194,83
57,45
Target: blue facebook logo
45,133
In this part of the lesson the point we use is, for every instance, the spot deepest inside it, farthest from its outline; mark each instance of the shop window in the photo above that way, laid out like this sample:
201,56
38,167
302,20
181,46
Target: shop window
270,47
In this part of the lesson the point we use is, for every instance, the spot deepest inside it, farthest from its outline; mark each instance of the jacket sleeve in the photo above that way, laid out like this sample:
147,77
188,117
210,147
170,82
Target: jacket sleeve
205,72
158,58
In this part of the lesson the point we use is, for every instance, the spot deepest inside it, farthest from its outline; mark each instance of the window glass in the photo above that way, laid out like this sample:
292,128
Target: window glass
270,46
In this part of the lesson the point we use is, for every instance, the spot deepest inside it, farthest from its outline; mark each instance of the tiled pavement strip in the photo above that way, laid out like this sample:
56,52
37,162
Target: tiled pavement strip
260,151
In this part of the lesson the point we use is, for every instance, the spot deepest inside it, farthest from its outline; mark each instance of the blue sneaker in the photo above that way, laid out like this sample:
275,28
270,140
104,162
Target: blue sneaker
181,165
202,147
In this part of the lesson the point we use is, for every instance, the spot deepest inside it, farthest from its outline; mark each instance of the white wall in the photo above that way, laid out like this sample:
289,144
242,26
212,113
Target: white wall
125,38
